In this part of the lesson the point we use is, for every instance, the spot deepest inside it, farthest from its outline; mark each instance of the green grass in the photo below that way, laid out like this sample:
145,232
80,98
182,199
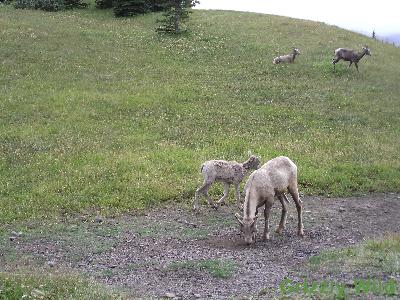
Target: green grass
216,268
52,286
376,256
103,113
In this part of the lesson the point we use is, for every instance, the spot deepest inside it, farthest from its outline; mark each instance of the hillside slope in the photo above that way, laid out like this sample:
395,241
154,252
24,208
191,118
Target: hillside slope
103,113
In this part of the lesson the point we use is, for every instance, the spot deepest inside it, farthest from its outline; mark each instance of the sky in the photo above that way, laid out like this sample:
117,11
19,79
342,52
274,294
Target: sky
362,16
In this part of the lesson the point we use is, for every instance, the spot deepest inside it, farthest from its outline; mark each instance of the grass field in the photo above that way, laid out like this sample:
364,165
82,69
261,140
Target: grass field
98,113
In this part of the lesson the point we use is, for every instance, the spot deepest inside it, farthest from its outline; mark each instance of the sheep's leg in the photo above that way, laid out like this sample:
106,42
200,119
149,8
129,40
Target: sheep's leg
204,190
282,198
267,211
208,197
237,193
196,197
296,198
350,63
356,66
226,192
334,61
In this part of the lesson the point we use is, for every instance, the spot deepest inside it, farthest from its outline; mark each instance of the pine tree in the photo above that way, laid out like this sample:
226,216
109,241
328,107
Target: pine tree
128,8
175,13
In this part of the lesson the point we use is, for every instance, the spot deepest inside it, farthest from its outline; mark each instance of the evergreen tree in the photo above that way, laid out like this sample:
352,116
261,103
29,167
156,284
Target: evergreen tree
104,4
128,8
175,13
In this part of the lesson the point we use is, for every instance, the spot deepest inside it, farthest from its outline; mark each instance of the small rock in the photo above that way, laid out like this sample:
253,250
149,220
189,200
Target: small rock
12,238
197,295
98,219
38,294
51,263
169,295
342,209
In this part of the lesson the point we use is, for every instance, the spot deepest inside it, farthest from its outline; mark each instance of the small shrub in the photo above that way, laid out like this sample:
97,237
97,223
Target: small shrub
104,4
25,4
49,5
129,8
70,4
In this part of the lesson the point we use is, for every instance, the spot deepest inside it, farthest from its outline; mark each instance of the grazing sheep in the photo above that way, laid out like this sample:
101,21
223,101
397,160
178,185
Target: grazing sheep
349,55
287,58
227,172
272,179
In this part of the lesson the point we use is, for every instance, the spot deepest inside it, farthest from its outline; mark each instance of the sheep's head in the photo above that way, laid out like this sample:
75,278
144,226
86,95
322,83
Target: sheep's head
253,163
367,50
248,228
296,51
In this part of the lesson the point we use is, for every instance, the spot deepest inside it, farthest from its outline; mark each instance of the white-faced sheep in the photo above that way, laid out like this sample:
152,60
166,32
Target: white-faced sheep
227,172
272,179
287,58
349,55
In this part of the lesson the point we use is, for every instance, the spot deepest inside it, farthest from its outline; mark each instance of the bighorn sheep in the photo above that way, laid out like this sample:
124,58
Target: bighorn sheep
227,172
271,180
287,58
349,55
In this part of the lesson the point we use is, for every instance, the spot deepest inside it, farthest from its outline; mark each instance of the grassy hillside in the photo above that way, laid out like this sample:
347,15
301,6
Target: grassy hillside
102,113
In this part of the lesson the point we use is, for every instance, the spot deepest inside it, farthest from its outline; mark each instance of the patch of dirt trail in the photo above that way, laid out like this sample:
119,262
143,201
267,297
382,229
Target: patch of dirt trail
156,253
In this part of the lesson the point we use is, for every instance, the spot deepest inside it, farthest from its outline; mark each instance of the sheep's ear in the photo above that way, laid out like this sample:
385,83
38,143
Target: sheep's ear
239,218
249,153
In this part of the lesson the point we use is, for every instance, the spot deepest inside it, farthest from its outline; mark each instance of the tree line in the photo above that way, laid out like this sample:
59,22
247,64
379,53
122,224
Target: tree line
174,12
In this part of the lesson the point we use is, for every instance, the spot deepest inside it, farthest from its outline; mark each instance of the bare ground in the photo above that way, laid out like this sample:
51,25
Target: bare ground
167,249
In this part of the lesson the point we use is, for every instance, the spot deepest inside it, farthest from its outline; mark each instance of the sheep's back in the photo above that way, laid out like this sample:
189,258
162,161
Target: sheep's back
221,170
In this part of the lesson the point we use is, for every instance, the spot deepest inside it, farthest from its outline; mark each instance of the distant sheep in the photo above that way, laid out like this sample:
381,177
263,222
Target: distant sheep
287,58
272,179
349,55
227,172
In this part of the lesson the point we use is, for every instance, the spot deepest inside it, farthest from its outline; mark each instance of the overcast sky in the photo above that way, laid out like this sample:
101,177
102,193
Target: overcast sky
363,16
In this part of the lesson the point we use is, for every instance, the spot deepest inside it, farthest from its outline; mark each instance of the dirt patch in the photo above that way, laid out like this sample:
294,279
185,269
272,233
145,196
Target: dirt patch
173,250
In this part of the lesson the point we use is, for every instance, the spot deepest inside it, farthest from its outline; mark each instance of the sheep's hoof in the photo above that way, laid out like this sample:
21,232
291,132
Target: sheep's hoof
265,237
279,229
300,233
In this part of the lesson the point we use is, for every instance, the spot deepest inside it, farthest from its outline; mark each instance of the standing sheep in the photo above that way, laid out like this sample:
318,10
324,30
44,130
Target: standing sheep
287,58
272,179
349,55
227,172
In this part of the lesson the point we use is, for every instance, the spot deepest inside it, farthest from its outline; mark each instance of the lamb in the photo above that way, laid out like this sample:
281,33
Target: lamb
349,55
272,179
227,172
287,58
